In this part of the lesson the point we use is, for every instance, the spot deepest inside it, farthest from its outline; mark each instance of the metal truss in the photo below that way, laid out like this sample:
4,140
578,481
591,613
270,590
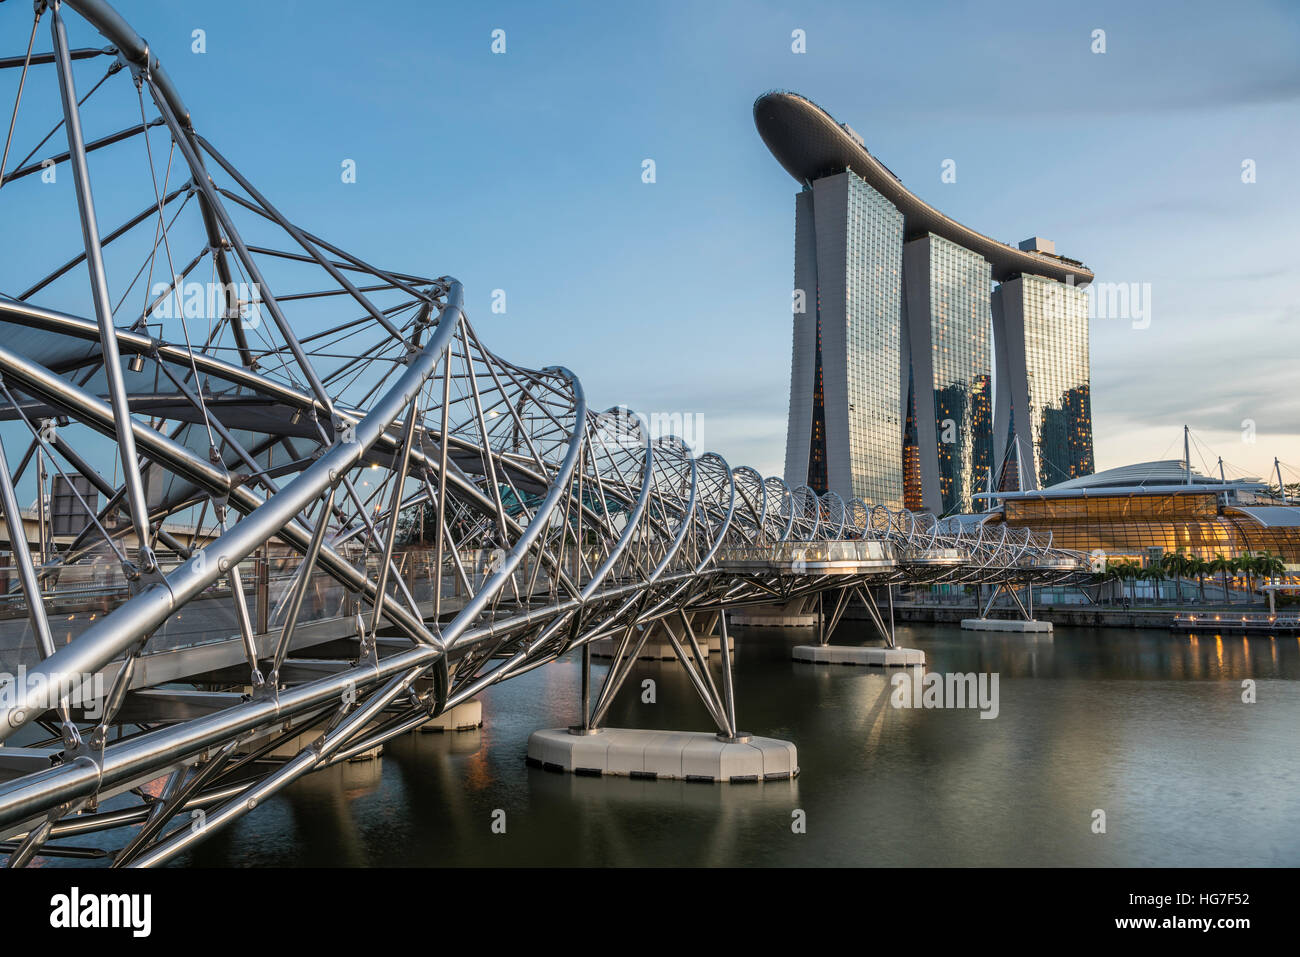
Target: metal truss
320,512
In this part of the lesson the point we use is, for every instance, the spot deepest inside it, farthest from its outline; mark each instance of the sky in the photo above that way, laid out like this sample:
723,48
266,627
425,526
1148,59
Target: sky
522,171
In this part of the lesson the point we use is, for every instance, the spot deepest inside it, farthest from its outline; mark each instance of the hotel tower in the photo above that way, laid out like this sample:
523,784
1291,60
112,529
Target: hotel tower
930,363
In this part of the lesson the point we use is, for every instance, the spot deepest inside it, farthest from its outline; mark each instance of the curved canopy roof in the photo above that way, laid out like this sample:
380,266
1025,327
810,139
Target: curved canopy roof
1270,516
1160,473
1164,477
808,142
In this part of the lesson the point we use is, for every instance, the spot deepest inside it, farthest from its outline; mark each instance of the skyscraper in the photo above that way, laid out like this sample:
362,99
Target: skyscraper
844,401
946,342
1040,329
897,322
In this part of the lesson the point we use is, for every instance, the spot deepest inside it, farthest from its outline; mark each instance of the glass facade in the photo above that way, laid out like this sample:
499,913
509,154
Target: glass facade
872,311
912,499
1056,367
860,413
1126,526
960,332
818,480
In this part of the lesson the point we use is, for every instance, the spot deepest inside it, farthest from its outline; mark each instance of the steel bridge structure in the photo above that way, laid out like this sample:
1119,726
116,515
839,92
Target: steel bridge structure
382,518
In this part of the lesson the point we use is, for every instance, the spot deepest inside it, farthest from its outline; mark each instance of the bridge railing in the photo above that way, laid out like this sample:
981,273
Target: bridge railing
852,551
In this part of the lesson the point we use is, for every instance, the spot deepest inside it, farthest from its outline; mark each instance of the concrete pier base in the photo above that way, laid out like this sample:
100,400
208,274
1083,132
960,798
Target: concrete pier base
467,716
858,655
677,755
800,613
656,650
292,747
1007,624
763,616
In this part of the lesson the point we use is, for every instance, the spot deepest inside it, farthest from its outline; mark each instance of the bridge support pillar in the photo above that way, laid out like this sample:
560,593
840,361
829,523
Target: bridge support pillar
658,646
824,653
706,626
1016,625
466,716
671,755
292,746
1025,624
727,755
798,613
858,655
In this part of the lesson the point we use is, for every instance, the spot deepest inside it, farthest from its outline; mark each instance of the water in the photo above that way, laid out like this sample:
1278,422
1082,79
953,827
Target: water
1147,726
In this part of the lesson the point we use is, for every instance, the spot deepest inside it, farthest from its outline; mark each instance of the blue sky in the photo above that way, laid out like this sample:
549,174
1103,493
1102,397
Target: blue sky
522,172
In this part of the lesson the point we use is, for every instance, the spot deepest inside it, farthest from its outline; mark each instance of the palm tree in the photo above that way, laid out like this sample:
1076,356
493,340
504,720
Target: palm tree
1116,571
1236,565
1124,570
1198,567
1171,563
1250,567
1134,575
1154,574
1221,566
1271,566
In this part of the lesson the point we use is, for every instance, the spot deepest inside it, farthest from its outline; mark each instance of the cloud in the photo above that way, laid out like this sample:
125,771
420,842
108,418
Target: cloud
1217,392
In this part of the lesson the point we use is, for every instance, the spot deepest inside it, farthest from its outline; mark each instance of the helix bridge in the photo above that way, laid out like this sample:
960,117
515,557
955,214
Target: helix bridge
275,529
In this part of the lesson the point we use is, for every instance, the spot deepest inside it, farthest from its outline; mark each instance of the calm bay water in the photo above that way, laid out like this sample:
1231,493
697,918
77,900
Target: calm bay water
1148,726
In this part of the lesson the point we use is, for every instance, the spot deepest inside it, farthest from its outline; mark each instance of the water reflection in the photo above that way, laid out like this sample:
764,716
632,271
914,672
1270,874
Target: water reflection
1149,726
